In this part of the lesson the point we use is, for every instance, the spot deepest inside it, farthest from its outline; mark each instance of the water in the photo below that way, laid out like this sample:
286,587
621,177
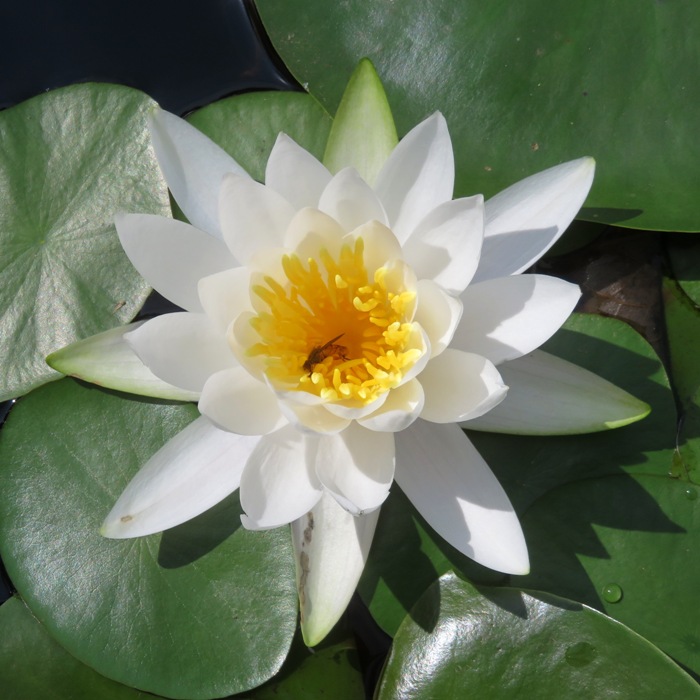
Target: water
612,593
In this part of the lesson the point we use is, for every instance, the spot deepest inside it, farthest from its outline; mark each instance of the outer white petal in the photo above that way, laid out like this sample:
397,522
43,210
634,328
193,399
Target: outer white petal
357,467
279,484
183,349
446,245
236,401
172,256
106,359
351,201
225,295
331,548
525,220
550,396
459,385
199,467
403,406
438,313
418,175
252,216
508,317
453,488
194,167
295,174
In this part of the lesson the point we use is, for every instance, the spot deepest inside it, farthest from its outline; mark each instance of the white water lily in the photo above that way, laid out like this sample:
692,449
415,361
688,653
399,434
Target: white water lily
337,327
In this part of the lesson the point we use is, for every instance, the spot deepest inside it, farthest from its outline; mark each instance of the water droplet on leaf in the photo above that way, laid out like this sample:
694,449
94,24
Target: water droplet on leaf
691,493
612,593
580,654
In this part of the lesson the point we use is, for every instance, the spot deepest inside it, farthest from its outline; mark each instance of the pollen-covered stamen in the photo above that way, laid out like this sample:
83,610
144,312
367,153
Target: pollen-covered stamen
331,330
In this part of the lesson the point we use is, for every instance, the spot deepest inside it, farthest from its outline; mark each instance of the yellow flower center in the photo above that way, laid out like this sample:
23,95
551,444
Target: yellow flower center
332,331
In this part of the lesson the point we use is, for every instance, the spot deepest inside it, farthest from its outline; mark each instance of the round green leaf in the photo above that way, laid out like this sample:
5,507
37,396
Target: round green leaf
203,610
32,665
246,126
524,86
70,159
628,545
464,642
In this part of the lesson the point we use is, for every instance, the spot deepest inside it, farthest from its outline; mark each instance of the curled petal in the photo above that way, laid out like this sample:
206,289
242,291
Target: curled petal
225,295
459,385
351,201
357,467
380,244
331,548
550,396
446,245
403,406
311,231
439,315
194,167
279,484
313,418
453,488
195,470
172,256
418,175
236,401
295,174
183,349
508,317
252,216
524,221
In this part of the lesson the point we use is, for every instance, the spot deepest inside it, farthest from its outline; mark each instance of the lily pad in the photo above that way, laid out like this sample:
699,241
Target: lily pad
684,255
524,86
628,545
71,158
463,641
246,126
407,556
204,610
32,665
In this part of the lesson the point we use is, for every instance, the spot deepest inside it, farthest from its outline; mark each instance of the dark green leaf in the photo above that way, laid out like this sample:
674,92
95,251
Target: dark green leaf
526,85
500,643
69,160
32,665
204,610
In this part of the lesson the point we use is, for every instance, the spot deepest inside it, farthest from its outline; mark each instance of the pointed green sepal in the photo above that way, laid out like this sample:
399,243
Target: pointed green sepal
106,359
363,132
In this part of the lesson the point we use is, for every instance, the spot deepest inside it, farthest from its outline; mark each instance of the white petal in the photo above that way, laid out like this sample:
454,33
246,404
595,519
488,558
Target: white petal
252,216
380,246
357,467
106,359
235,401
241,336
311,230
460,385
182,349
354,410
508,317
417,339
313,419
351,201
418,176
524,221
446,244
279,484
453,488
199,467
438,313
194,167
331,548
550,396
225,296
403,405
295,174
171,255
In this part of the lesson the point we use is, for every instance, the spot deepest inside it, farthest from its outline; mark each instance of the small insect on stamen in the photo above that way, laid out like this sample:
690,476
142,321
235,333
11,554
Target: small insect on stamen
320,352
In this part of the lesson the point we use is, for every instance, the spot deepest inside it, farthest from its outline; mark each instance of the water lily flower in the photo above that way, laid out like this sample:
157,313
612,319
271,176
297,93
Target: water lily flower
339,321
